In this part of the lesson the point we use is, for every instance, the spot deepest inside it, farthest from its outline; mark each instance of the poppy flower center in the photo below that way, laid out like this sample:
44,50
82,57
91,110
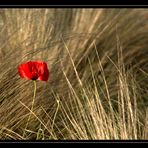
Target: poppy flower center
34,78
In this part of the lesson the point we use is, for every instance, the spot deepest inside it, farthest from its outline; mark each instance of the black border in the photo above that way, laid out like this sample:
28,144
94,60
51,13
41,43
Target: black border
73,3
72,6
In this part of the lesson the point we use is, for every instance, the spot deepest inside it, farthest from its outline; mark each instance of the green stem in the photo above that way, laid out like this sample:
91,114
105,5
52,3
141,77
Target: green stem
32,105
34,95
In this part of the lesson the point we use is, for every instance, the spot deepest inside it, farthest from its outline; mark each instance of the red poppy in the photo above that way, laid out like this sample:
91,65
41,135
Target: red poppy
34,70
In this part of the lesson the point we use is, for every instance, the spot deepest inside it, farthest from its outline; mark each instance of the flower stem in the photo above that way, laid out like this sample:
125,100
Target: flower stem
34,95
32,105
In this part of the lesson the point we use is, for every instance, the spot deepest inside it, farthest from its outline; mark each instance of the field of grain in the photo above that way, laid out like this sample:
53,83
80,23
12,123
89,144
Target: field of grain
98,83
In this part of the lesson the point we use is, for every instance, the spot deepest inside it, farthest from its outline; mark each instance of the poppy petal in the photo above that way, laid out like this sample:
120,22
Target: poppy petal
34,70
